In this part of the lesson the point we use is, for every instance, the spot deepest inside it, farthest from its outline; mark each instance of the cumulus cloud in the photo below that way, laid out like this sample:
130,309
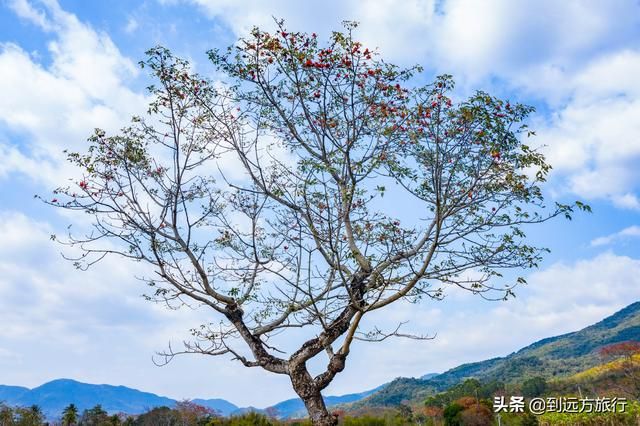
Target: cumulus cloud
458,36
592,140
504,38
625,234
56,107
579,58
31,13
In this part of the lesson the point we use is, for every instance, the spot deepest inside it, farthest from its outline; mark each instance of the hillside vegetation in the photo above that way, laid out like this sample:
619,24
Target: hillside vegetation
559,356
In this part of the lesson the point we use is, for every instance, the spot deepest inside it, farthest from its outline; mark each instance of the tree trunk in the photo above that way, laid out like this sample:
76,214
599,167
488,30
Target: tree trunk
318,412
307,390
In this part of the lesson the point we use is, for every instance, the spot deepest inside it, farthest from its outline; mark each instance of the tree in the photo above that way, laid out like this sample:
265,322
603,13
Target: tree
95,416
159,416
452,413
623,359
477,415
6,415
70,415
31,416
191,413
534,386
302,237
625,350
529,419
468,411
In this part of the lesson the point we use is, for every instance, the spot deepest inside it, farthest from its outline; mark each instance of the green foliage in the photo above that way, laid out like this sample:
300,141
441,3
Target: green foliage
470,387
95,416
528,419
186,413
70,415
630,416
31,416
534,386
248,419
364,421
6,415
452,414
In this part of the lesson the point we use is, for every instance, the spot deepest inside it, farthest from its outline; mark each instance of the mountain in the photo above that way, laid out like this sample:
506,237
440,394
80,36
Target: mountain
10,392
222,406
557,356
428,376
292,408
53,396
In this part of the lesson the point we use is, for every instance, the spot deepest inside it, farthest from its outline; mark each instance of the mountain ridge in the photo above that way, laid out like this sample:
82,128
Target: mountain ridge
53,396
560,355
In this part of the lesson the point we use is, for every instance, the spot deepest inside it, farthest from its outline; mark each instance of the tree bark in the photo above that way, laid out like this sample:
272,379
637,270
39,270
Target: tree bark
308,391
318,412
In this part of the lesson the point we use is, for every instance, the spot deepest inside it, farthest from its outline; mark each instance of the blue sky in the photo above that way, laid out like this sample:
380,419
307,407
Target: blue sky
69,66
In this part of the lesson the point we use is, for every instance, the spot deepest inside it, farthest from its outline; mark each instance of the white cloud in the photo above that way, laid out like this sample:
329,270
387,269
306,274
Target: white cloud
626,233
578,57
593,140
95,327
56,107
627,201
514,40
459,36
28,11
132,25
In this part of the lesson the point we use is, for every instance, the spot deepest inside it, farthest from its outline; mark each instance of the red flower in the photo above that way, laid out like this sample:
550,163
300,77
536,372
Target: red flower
83,184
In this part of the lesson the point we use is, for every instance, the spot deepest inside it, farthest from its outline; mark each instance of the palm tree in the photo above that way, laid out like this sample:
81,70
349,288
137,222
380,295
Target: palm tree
31,416
70,415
